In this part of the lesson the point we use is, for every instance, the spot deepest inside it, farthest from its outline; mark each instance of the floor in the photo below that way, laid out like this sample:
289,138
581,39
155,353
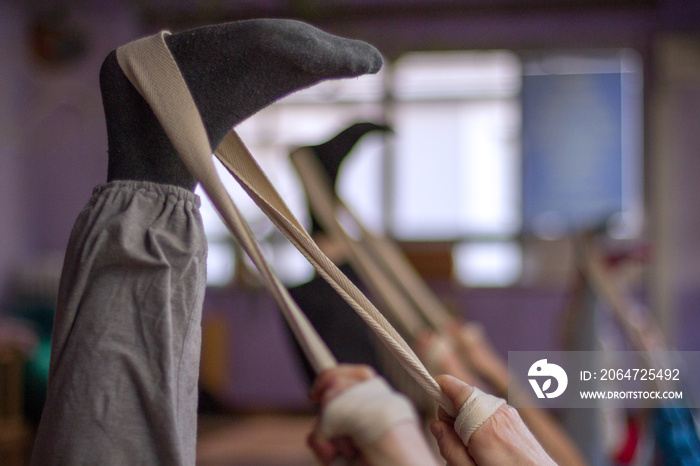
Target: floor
254,440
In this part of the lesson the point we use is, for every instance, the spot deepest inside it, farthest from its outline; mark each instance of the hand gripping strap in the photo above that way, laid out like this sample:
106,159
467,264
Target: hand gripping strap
365,411
478,408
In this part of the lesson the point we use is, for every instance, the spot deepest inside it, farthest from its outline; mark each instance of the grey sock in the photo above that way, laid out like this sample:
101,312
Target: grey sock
232,70
332,153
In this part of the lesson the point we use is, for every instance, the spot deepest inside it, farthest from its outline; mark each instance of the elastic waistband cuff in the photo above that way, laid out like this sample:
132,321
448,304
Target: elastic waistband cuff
164,190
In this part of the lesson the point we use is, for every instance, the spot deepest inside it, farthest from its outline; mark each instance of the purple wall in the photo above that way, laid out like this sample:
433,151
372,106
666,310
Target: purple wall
12,242
684,232
263,369
53,139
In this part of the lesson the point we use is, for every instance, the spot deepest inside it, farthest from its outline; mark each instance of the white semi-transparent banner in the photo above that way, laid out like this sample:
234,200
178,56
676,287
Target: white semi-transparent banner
594,379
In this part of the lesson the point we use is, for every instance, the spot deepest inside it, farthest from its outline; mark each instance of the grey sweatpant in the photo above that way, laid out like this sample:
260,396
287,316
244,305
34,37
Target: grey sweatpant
127,331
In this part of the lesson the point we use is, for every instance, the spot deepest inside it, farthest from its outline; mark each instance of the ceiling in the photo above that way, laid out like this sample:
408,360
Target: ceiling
397,26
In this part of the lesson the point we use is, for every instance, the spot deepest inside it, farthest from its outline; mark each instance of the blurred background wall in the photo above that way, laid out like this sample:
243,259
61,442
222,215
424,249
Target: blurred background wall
53,151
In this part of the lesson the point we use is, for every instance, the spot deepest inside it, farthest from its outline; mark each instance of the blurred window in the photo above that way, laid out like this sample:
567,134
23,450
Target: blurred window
454,169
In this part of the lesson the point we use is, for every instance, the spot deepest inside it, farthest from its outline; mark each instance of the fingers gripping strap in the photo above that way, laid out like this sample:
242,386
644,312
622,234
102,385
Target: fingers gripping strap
366,411
478,408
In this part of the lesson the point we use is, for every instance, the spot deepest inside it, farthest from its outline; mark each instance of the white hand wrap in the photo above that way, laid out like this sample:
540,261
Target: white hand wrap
365,411
478,408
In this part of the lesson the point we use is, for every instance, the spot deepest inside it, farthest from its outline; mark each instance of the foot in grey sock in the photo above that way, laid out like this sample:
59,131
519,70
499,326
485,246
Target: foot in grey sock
232,70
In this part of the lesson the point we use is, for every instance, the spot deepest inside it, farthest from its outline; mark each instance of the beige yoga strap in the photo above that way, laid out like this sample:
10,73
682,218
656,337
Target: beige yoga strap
324,205
370,253
153,71
235,156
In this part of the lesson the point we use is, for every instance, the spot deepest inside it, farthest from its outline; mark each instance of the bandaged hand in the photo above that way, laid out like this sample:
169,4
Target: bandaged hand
486,431
364,420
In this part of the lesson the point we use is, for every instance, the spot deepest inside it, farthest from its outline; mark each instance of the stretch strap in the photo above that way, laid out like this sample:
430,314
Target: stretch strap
324,204
241,164
381,260
152,70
